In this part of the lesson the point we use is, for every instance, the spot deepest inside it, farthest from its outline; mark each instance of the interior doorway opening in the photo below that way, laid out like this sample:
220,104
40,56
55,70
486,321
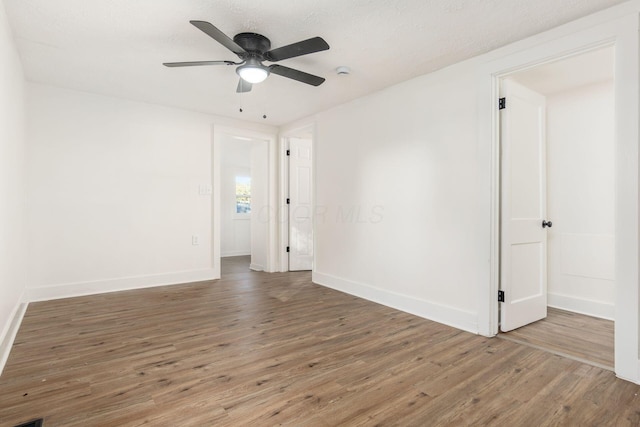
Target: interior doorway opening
252,192
244,199
576,255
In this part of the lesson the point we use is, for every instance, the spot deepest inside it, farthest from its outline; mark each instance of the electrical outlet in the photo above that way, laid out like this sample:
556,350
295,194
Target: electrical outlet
195,240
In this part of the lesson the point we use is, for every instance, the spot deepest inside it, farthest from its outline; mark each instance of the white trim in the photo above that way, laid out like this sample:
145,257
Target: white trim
634,375
216,206
68,290
440,313
256,267
234,253
10,331
627,103
283,209
583,306
6,330
600,29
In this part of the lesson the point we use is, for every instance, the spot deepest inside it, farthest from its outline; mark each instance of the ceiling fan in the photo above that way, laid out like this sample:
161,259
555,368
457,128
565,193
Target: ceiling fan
253,49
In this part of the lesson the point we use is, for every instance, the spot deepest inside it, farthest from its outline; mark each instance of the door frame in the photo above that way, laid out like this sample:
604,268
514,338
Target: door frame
294,131
617,27
272,229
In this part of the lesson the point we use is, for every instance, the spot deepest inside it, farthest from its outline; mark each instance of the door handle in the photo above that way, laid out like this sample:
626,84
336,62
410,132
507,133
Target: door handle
546,223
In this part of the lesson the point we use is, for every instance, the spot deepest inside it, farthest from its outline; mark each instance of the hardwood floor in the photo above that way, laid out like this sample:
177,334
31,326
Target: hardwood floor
581,337
274,349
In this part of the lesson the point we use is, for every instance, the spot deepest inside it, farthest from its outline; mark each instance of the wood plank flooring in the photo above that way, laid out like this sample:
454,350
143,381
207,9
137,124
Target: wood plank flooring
264,349
573,335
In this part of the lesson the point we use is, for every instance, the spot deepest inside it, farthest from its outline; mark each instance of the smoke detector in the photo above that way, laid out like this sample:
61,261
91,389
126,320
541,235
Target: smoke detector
343,70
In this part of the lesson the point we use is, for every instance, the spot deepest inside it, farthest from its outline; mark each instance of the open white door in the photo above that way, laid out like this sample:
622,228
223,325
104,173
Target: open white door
523,242
300,205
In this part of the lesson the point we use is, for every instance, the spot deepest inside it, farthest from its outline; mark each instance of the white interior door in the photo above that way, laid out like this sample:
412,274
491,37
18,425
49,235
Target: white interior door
300,205
523,242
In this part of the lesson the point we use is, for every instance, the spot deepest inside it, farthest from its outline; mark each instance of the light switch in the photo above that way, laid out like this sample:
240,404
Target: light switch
204,189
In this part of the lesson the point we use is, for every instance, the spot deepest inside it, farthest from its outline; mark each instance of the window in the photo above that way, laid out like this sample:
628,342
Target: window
243,195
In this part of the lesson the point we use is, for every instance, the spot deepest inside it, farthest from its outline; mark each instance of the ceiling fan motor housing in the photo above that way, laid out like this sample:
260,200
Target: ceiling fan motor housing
253,43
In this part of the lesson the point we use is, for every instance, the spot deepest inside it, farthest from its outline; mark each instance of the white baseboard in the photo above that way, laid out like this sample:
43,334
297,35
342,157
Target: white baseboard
10,332
634,378
69,290
582,306
450,316
234,253
256,267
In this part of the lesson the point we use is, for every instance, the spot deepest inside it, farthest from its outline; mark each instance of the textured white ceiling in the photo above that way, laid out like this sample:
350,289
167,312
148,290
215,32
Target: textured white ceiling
117,47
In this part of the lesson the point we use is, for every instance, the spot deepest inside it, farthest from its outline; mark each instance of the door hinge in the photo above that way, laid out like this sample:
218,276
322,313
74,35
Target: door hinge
287,248
288,201
500,296
502,103
288,152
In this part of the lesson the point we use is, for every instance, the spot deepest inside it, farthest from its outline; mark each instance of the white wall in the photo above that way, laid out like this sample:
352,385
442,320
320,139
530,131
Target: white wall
580,196
12,188
434,252
420,153
114,194
235,230
397,198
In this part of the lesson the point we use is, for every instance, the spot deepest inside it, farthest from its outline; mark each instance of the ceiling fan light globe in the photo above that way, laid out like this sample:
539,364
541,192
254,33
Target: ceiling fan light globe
252,73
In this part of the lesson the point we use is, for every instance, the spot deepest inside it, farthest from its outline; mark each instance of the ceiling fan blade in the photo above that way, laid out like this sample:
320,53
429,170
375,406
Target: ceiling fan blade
195,63
244,86
315,44
218,36
298,75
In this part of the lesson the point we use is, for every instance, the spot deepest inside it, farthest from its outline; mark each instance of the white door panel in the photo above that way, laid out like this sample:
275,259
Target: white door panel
523,243
300,205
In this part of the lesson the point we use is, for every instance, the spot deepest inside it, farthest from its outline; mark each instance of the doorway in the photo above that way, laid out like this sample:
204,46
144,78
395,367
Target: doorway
557,205
597,31
243,199
260,197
